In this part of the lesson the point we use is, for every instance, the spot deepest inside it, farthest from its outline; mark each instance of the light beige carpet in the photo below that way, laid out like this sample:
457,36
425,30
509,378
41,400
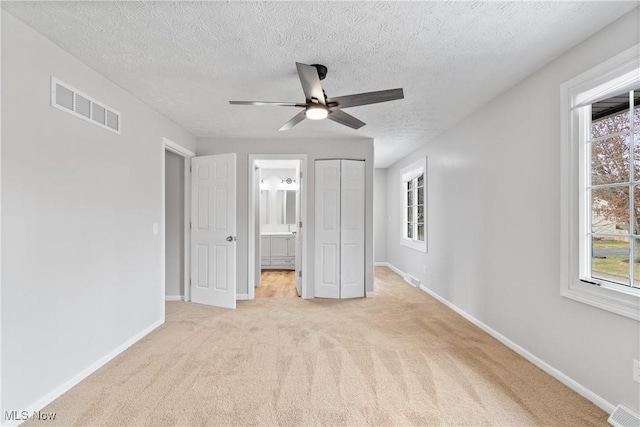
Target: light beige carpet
398,358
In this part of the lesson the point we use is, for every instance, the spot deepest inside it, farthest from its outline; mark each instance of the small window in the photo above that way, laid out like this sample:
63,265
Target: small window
414,234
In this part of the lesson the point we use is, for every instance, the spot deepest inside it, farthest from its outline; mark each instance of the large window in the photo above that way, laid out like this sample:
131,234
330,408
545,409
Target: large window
600,186
610,153
414,224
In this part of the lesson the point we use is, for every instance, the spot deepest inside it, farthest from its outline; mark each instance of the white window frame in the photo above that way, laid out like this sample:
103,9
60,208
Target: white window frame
614,76
410,173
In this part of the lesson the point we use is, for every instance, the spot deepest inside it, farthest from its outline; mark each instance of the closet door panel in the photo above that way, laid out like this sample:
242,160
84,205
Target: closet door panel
327,229
352,229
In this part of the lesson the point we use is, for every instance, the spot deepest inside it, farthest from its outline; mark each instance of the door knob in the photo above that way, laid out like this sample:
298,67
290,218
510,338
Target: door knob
230,238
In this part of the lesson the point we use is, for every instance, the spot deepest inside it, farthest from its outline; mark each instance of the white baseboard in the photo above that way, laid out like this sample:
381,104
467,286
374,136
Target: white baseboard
555,373
59,391
381,264
239,297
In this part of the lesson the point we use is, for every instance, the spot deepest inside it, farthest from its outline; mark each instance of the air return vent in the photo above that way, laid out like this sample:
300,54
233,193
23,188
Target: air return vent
412,280
66,98
624,417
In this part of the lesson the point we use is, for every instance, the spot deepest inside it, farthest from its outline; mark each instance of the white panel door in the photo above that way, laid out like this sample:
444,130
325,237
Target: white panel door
297,249
213,230
327,229
352,215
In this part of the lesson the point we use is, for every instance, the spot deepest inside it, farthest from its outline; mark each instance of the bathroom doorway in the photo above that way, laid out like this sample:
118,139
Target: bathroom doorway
277,213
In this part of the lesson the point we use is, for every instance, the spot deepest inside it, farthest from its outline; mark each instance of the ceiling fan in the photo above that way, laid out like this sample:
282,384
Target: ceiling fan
317,106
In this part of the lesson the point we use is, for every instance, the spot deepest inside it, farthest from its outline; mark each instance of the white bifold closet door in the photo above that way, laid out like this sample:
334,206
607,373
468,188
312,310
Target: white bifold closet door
340,221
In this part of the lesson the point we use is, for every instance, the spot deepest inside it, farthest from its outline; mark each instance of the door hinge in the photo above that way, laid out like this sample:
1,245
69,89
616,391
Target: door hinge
300,273
300,225
190,168
300,175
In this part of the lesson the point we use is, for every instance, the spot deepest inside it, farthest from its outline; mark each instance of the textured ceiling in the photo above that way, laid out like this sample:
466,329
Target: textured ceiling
188,59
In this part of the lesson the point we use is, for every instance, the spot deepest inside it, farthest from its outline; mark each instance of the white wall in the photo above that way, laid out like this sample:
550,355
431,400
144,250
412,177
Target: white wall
494,224
82,271
380,215
174,225
314,149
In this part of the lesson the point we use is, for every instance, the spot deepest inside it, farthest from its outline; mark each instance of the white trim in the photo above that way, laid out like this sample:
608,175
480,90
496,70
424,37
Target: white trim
595,83
555,373
178,149
242,297
414,244
163,237
591,83
174,298
411,171
304,189
59,391
1,352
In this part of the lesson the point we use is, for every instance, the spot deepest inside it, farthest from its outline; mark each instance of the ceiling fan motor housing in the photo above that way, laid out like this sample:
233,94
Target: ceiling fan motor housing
322,70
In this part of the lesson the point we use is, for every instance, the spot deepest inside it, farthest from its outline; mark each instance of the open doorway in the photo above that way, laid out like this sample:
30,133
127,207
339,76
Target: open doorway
176,195
276,226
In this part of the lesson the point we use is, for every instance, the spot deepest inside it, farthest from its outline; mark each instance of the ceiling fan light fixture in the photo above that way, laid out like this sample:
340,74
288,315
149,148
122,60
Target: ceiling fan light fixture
316,112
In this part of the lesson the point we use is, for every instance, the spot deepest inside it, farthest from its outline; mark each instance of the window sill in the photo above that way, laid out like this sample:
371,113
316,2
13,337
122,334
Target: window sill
626,304
419,246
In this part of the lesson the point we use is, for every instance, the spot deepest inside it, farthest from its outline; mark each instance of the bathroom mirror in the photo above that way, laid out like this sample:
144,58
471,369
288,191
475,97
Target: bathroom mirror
290,207
284,207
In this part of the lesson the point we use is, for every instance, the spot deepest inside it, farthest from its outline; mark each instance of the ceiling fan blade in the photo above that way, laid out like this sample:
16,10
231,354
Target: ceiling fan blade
365,98
343,118
294,121
268,103
310,83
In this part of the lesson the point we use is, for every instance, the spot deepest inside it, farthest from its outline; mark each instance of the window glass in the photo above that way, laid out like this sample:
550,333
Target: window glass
636,153
610,209
614,227
610,260
414,225
610,115
610,160
636,108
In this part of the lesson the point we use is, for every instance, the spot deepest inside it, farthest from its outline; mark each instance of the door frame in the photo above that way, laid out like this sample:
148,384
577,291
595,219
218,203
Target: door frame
172,147
304,190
